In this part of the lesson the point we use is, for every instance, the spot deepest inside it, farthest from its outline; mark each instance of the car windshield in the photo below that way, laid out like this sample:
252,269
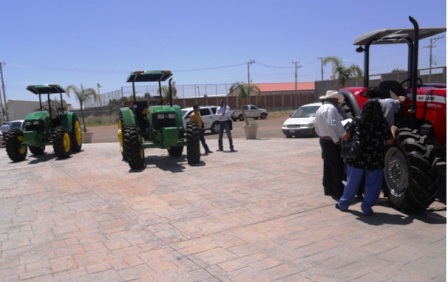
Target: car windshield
16,124
306,111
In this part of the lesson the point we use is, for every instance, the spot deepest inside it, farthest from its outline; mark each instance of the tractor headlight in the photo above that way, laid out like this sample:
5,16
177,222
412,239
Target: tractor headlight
160,116
171,116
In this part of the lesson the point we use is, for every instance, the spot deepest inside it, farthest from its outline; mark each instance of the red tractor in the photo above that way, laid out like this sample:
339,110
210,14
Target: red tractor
417,161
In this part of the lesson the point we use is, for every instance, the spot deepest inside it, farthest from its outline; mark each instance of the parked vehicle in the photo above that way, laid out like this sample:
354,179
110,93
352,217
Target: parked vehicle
301,122
142,126
45,126
19,123
415,163
209,117
251,111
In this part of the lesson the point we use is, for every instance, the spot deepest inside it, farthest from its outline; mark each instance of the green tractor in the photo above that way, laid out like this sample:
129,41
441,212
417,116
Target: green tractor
142,126
45,126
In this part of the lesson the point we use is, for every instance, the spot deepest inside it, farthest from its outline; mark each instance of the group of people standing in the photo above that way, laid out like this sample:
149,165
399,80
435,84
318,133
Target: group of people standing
223,111
374,128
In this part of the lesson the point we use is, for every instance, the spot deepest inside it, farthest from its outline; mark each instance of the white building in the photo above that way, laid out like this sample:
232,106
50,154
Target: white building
18,109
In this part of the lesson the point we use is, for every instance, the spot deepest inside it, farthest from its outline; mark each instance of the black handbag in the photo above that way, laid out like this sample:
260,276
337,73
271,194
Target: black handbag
351,149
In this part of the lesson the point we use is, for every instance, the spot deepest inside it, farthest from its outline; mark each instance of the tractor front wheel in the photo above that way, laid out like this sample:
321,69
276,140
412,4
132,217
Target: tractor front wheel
132,147
61,142
14,145
37,151
193,146
76,135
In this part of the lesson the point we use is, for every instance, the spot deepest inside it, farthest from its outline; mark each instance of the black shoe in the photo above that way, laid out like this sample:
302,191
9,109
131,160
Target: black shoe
219,150
206,153
232,150
209,152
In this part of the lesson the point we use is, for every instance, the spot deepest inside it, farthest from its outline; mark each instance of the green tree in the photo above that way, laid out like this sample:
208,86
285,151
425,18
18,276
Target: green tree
342,73
243,91
82,95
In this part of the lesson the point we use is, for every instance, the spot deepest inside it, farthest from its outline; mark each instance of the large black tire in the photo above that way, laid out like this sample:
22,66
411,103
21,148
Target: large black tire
409,173
175,151
263,116
241,117
37,150
14,145
193,146
132,147
76,135
61,142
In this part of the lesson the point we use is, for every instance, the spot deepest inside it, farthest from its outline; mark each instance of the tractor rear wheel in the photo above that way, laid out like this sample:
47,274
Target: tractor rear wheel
76,135
61,142
409,172
14,145
37,150
132,147
193,146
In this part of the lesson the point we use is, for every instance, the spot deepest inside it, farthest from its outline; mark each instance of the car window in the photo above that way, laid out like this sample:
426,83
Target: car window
213,109
307,111
16,124
204,112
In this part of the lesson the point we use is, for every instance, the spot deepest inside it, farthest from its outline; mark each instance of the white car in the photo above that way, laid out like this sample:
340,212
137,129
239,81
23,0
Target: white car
301,122
208,114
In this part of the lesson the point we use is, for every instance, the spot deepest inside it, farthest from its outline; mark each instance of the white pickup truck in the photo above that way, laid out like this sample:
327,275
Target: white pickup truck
251,111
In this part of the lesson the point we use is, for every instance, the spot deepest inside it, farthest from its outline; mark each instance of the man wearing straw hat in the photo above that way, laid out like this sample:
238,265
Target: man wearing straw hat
329,128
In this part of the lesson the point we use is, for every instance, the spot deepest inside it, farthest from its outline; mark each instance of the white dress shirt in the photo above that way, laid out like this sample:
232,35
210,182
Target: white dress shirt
223,112
328,122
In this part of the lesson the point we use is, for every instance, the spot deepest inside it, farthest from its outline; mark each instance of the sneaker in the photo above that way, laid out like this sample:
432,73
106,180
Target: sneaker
339,208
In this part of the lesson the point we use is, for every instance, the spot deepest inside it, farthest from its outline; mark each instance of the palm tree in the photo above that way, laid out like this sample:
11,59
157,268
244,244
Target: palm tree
166,91
243,91
341,72
82,95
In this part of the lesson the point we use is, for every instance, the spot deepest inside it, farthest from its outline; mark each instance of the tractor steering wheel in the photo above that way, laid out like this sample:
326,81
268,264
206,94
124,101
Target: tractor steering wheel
419,82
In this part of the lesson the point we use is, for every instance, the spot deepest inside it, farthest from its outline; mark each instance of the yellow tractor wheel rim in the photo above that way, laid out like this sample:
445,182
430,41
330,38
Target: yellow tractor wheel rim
22,148
66,142
78,133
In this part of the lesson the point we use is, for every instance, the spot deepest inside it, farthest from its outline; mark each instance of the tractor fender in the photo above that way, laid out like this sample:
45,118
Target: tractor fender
128,117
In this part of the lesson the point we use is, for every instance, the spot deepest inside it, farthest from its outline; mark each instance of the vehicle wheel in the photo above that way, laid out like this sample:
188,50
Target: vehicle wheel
263,116
61,142
37,150
132,147
120,134
215,127
344,110
409,172
175,151
14,145
76,135
241,117
193,146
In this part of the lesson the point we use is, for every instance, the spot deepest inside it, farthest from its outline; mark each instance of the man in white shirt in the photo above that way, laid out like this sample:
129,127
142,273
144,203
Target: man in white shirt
5,128
224,112
390,106
328,126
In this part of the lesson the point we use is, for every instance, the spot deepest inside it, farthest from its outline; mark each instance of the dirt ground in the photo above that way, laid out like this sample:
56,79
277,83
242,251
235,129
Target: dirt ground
268,128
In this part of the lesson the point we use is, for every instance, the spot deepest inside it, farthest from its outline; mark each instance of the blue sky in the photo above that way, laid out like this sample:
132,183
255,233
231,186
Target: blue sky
202,42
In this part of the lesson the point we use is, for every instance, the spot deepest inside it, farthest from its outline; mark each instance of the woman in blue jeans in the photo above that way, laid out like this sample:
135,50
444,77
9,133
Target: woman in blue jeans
374,133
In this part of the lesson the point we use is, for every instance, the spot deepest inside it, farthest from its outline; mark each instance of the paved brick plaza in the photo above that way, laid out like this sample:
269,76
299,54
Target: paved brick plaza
255,215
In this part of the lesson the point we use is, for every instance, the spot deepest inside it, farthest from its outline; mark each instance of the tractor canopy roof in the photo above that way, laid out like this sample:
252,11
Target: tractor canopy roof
149,75
396,35
45,89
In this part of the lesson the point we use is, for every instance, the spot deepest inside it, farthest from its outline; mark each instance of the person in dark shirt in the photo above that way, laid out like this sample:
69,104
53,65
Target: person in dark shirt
374,133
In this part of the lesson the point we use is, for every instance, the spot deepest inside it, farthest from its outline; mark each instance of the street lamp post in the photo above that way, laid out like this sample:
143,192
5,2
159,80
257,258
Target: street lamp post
248,74
98,85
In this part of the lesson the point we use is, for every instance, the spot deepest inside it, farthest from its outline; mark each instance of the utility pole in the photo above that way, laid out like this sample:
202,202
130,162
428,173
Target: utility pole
430,46
248,74
321,68
296,66
4,109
